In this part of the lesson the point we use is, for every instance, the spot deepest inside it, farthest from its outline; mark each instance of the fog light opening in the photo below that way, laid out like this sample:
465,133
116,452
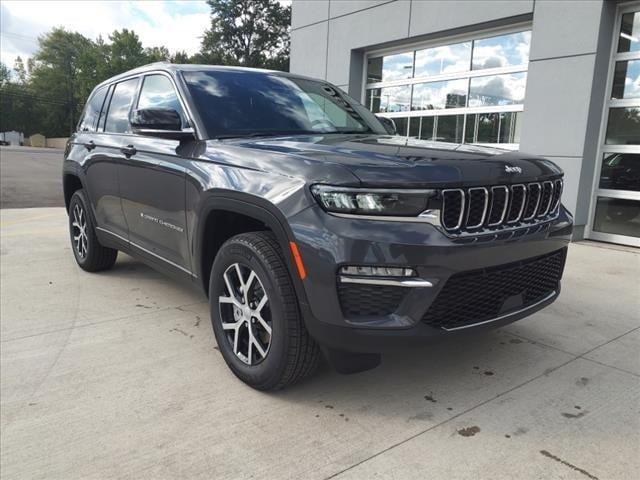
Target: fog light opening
372,271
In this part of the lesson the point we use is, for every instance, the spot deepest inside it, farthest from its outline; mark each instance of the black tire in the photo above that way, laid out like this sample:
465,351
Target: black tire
90,255
291,354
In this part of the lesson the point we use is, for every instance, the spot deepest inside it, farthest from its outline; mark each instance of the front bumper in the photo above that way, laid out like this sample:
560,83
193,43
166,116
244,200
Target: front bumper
327,242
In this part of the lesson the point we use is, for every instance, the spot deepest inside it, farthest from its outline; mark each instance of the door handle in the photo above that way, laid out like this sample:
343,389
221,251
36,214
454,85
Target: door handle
90,146
129,150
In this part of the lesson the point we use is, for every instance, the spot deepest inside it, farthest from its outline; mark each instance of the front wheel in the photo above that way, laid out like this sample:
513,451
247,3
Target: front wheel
255,314
90,255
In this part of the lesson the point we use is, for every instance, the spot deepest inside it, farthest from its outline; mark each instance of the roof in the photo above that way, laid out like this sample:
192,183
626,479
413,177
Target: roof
188,67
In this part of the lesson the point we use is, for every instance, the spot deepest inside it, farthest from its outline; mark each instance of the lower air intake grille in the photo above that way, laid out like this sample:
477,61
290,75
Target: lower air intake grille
369,300
481,295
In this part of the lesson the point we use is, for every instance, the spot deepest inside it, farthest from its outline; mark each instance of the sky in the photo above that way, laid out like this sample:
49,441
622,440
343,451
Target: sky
178,25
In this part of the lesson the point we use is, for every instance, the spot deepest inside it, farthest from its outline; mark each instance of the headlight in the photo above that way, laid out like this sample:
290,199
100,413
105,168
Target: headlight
372,201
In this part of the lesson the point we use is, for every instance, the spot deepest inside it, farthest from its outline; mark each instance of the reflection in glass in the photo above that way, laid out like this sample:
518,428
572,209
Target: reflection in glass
401,125
437,95
497,90
397,67
510,127
374,70
449,128
626,80
427,125
629,33
445,59
493,128
620,171
373,100
395,99
501,51
623,127
414,127
619,216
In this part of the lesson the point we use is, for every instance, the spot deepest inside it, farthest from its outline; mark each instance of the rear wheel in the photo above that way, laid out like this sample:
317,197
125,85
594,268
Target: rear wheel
90,255
255,314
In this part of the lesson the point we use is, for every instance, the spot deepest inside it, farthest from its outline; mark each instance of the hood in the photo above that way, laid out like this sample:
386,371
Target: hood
381,161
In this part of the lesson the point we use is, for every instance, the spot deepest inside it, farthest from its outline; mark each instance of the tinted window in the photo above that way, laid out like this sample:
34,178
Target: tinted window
629,33
118,115
158,92
626,80
436,95
92,111
501,51
236,103
445,59
623,127
497,90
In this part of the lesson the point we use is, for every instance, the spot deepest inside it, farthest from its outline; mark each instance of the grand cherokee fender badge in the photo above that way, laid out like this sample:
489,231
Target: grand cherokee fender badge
159,221
510,169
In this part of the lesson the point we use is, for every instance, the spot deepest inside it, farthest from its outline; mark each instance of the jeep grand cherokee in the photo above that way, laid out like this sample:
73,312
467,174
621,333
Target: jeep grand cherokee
310,227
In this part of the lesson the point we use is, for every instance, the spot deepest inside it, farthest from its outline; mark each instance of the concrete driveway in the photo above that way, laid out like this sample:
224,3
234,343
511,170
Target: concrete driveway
117,375
30,177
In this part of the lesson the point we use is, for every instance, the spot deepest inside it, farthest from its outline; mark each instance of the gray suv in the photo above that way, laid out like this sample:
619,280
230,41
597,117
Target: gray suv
312,228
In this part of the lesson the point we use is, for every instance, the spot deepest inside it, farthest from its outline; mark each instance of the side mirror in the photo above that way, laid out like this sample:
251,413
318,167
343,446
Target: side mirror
388,124
159,122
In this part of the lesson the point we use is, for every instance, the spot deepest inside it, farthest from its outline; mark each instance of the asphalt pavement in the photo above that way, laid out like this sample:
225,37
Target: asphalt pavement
117,375
30,177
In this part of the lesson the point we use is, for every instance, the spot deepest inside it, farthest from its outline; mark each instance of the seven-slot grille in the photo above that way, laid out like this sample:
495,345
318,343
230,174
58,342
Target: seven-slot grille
492,208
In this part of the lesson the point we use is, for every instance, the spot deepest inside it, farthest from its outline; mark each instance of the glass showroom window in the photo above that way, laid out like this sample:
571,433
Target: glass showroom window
616,205
470,91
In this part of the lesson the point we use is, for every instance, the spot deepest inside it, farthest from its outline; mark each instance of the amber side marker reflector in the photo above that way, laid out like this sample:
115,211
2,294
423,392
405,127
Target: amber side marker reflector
298,259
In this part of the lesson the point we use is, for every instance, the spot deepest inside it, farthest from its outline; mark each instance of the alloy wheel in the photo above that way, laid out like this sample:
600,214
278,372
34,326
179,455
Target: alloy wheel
79,224
245,314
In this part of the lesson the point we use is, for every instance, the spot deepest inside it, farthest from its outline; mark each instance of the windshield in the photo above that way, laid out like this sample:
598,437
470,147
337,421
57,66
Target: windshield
237,103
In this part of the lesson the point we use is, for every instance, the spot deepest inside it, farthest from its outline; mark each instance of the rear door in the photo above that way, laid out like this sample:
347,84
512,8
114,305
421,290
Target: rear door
152,182
100,162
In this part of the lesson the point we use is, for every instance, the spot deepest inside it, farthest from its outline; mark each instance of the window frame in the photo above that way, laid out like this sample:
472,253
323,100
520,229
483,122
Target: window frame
134,100
443,41
603,148
187,123
99,111
189,116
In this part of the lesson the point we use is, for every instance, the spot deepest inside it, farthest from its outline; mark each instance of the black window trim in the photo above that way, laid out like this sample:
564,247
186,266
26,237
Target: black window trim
189,113
86,106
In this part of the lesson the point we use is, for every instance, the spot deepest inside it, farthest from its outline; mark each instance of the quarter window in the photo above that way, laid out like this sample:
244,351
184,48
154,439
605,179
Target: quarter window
92,111
121,100
479,83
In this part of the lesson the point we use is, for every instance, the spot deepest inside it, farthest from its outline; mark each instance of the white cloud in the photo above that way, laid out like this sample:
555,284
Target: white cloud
177,25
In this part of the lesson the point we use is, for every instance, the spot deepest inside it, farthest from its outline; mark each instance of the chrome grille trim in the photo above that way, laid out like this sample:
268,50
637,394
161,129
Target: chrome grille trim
525,205
522,204
444,206
504,209
484,208
556,196
544,209
529,195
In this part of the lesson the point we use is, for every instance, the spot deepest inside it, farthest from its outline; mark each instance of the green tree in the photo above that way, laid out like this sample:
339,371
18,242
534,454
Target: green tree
5,74
157,54
251,33
20,71
61,78
125,51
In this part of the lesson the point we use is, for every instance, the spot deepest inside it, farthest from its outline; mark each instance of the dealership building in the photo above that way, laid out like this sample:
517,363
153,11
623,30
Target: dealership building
560,79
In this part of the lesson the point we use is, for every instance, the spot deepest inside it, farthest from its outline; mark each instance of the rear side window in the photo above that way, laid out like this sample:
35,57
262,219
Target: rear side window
92,111
158,92
121,100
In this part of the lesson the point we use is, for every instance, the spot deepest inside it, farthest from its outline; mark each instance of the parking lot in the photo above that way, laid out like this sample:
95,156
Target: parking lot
117,374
